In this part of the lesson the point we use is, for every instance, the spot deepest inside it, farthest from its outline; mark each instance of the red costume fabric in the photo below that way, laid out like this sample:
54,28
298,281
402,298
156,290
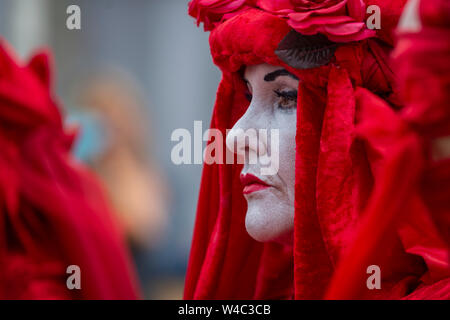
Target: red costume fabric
340,171
411,195
53,213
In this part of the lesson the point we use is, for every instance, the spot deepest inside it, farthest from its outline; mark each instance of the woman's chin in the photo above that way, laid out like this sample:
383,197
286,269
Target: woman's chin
259,235
263,225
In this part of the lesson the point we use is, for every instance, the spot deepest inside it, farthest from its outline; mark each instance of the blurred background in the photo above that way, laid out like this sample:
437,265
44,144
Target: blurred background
136,71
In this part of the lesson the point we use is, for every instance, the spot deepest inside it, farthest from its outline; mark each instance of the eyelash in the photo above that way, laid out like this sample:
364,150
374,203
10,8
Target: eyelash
284,96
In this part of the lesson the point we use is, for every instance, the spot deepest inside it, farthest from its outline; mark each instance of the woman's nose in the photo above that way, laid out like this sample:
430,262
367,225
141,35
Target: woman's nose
245,139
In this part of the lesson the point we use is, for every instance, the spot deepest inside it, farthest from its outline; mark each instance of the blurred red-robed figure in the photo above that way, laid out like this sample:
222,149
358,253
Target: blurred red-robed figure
52,211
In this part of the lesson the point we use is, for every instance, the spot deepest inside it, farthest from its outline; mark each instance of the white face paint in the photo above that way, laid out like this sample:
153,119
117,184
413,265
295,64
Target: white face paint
272,93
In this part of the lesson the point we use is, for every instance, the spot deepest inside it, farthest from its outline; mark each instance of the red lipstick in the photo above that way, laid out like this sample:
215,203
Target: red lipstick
252,184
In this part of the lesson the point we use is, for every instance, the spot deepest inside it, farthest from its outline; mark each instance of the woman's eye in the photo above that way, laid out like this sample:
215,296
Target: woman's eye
287,100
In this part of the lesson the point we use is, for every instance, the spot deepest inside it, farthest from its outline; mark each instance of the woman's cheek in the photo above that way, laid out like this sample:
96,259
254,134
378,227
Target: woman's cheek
287,154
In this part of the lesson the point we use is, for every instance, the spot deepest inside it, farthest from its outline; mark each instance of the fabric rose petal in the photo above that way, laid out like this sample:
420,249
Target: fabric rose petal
279,7
340,21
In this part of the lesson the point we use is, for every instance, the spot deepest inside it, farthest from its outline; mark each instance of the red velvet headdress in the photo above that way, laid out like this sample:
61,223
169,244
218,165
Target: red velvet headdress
335,170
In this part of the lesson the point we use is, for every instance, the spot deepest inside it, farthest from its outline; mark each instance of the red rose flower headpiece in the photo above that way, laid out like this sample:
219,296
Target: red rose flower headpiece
339,20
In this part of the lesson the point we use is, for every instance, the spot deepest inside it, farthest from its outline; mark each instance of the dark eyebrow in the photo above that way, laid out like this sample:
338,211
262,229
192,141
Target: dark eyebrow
278,73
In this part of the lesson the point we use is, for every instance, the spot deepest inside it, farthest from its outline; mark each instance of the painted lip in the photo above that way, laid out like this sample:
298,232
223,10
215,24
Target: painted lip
252,183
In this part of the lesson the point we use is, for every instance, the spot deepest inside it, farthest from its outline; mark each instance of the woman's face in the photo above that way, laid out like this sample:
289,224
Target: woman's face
272,94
